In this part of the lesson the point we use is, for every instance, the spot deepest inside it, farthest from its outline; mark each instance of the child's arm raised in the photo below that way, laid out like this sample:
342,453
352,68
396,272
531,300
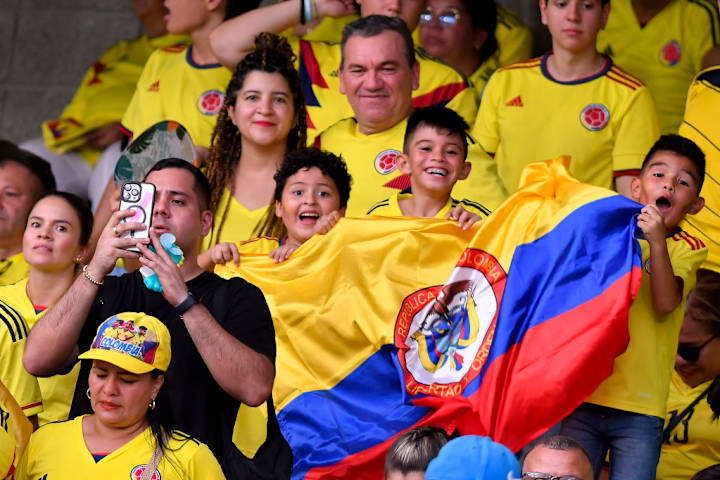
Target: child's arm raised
665,287
219,254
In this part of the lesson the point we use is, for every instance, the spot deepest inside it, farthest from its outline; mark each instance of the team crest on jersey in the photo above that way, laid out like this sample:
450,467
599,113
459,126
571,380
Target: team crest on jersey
211,102
671,53
386,161
595,117
137,473
443,333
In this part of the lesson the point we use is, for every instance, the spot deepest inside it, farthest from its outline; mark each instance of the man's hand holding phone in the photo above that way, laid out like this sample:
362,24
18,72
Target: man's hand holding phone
113,245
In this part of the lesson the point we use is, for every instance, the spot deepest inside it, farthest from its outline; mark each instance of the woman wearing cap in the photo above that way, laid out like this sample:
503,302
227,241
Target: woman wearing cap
692,431
128,435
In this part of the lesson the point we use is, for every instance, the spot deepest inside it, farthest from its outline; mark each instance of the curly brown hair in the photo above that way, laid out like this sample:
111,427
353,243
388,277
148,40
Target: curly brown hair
272,54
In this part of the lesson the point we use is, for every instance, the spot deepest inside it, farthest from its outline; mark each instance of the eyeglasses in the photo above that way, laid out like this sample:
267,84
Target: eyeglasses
547,476
691,354
448,18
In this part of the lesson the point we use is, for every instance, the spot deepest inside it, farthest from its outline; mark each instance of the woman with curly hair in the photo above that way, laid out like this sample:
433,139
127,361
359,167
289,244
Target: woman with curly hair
263,117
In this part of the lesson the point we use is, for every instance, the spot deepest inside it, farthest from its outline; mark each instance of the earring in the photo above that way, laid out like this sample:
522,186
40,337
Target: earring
88,392
152,404
77,259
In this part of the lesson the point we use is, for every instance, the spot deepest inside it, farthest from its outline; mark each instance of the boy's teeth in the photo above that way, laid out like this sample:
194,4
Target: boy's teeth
436,171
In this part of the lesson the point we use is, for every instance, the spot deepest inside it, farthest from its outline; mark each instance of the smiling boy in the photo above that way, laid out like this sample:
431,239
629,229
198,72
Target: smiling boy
626,413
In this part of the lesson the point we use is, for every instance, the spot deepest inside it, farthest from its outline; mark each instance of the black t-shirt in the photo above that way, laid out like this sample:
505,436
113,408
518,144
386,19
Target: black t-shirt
198,405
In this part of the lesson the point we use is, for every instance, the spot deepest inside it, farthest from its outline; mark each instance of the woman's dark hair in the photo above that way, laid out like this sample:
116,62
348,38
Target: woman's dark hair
162,425
483,14
272,54
82,209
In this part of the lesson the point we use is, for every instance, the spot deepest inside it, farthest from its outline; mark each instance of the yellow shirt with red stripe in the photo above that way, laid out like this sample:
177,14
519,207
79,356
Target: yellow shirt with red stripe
238,224
13,269
390,207
514,38
701,126
173,87
371,161
57,451
13,335
695,442
641,376
56,391
103,95
666,53
606,123
318,64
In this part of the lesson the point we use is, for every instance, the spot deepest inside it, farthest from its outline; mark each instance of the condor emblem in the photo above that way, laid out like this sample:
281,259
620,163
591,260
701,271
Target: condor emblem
443,333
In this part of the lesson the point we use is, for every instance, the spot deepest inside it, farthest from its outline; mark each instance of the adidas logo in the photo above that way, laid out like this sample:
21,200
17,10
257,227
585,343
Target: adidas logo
154,87
515,102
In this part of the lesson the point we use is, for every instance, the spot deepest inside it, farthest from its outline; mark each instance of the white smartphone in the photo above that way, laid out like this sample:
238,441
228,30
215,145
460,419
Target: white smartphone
139,197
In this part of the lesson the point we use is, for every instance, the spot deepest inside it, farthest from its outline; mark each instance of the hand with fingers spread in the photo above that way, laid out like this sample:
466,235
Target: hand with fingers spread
112,245
463,218
652,224
174,288
283,252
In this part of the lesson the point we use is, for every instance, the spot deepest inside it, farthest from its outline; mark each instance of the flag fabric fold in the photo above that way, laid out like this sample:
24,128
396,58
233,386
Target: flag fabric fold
502,330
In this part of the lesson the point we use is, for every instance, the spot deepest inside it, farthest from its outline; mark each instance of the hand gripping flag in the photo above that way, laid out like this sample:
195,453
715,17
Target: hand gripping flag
385,325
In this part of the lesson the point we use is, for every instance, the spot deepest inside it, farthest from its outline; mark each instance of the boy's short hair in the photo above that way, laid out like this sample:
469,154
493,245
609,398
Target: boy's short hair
413,450
683,147
9,152
201,187
439,118
329,164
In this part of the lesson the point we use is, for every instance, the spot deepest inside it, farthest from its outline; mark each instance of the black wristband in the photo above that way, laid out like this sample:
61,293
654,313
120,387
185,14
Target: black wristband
185,305
302,12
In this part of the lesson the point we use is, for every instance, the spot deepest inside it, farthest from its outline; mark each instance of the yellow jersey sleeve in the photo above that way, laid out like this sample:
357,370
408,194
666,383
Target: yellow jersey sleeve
13,269
694,443
514,38
203,464
8,458
701,126
23,386
641,375
173,87
665,53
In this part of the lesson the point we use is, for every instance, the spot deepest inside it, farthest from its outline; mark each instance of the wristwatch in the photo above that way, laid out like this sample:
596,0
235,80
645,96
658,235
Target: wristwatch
185,305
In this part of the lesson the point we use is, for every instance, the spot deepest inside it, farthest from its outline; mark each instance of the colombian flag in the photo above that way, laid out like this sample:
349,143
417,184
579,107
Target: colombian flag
387,324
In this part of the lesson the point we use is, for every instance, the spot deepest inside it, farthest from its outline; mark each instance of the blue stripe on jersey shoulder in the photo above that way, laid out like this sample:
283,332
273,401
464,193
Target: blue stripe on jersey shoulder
13,321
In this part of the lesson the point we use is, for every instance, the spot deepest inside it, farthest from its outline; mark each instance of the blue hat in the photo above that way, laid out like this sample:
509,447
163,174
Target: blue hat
473,458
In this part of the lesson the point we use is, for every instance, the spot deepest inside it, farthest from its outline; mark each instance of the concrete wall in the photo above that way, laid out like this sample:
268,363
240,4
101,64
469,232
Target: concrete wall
47,45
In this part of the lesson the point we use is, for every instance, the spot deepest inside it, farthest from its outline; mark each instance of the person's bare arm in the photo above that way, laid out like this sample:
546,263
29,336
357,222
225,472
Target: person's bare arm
52,343
622,185
235,38
665,288
711,58
243,373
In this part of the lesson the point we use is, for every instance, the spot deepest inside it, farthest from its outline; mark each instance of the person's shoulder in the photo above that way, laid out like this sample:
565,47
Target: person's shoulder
682,241
13,327
706,10
380,208
518,67
710,76
54,430
346,126
625,80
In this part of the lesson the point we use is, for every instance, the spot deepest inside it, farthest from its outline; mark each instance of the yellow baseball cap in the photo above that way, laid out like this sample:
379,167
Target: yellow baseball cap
133,341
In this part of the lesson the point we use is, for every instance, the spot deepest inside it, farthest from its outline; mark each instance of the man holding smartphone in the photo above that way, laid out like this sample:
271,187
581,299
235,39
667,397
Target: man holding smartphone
222,334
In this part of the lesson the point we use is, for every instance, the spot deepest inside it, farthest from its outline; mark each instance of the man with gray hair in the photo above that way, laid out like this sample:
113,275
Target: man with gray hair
557,458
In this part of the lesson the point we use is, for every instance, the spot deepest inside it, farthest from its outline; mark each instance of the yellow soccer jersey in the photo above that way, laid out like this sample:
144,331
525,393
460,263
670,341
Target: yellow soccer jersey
56,391
514,38
641,376
318,64
13,269
103,95
701,126
70,459
695,442
480,77
238,225
173,87
606,123
8,457
666,53
390,207
23,386
371,161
